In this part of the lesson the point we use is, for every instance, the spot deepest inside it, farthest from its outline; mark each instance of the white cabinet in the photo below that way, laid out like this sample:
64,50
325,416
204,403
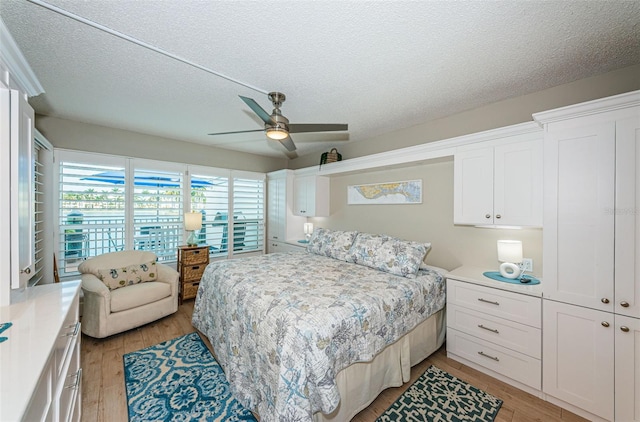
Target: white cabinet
17,82
494,330
591,252
40,360
499,183
275,247
579,357
282,224
311,196
627,372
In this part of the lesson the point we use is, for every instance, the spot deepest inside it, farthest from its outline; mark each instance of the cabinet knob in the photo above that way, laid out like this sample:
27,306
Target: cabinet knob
604,300
26,270
605,324
487,216
498,216
624,304
624,329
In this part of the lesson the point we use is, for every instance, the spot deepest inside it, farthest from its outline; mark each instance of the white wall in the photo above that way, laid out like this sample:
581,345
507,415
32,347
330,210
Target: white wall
69,134
431,221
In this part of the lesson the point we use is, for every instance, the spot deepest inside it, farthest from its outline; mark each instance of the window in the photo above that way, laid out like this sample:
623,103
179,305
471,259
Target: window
157,210
248,214
91,209
109,203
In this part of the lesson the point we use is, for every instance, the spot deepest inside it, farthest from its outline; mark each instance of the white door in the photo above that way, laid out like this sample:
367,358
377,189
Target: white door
276,208
627,215
22,190
578,356
517,194
627,343
473,186
578,236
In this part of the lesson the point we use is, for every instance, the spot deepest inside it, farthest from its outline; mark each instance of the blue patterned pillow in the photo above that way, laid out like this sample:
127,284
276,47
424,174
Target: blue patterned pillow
389,254
332,243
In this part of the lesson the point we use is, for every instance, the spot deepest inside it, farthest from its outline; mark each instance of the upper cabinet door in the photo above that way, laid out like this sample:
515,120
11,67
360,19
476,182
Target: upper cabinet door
500,184
517,197
473,186
578,238
22,190
627,217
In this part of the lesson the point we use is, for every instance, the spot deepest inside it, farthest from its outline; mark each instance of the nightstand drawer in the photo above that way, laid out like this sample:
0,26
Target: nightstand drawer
190,290
509,363
193,272
195,256
511,306
512,335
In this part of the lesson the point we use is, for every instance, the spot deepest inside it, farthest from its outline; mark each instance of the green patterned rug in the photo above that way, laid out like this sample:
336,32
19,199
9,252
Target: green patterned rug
439,396
179,380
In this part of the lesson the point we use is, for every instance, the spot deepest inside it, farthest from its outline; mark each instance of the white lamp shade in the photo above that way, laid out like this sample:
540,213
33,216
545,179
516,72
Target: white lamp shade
308,228
510,251
193,221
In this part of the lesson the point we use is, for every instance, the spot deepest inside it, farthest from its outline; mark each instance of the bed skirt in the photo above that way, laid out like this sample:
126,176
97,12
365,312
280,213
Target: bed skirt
360,383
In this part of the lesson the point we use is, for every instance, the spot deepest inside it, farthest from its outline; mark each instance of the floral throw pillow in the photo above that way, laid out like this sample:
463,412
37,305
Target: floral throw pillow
389,254
332,243
114,278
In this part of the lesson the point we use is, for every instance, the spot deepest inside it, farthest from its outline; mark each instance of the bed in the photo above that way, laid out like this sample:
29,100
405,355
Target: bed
317,335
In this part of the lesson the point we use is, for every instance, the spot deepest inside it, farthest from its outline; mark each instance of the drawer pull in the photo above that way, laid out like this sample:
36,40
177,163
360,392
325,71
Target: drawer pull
75,384
493,330
488,356
605,324
74,332
624,304
624,329
488,301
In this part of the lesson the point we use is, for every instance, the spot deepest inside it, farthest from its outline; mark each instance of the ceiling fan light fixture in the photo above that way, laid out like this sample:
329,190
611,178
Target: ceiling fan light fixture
277,133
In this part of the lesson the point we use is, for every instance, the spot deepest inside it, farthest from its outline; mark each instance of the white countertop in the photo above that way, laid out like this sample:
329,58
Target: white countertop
37,315
475,275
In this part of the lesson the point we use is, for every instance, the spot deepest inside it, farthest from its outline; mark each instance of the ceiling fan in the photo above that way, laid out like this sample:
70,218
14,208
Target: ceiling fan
277,127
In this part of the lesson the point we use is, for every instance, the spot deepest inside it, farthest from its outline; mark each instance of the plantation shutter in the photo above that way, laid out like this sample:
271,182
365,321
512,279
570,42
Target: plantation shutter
158,212
210,196
91,208
248,212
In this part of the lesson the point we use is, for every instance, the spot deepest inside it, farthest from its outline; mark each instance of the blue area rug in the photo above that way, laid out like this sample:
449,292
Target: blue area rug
179,380
439,396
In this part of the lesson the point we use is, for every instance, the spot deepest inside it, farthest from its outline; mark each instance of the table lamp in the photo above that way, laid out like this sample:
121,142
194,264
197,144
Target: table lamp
510,254
193,223
308,230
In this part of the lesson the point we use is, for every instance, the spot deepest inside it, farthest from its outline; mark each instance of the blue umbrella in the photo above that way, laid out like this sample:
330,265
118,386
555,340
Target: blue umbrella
117,178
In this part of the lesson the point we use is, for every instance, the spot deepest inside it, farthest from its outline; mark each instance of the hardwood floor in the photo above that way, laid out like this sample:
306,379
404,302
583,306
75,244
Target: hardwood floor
104,398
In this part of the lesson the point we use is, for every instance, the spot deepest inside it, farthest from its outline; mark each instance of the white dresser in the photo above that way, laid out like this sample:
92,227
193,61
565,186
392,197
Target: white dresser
495,327
40,374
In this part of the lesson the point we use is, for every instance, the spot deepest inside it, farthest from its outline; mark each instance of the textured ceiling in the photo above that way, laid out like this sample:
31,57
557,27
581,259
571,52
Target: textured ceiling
378,66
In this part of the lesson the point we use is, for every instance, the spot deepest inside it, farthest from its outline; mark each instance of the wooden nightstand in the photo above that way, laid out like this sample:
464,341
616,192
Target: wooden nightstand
192,260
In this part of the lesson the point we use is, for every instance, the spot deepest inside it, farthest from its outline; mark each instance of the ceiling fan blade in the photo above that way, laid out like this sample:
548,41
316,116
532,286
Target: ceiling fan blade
266,117
316,127
237,131
288,143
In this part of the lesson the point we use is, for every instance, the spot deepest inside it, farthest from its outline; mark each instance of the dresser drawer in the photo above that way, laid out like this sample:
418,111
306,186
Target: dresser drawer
510,306
512,335
195,256
509,363
67,335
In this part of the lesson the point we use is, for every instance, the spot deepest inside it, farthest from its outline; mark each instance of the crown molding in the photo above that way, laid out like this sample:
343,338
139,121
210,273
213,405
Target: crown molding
603,105
17,65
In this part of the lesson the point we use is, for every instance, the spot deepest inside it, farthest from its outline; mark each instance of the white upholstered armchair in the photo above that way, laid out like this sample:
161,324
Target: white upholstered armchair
125,304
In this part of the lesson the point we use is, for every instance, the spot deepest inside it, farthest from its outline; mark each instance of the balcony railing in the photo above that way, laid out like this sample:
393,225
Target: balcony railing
93,237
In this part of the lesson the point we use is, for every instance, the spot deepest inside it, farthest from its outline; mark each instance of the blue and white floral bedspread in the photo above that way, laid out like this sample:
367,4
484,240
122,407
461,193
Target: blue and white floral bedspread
283,325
